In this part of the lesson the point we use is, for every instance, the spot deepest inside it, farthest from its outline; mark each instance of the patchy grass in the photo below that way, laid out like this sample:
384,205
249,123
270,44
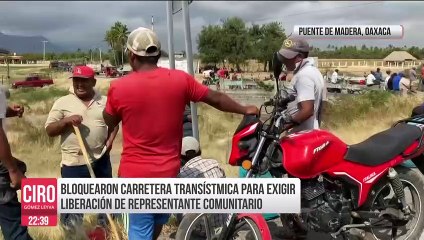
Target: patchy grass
32,95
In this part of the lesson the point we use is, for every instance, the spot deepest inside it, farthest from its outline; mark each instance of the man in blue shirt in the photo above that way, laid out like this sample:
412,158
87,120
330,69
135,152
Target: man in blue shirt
396,81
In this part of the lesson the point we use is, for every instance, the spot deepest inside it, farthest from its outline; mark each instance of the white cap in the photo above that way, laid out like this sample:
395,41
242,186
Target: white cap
190,143
143,42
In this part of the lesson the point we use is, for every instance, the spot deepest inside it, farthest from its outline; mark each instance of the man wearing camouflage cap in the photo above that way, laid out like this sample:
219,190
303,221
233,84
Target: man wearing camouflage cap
307,85
150,102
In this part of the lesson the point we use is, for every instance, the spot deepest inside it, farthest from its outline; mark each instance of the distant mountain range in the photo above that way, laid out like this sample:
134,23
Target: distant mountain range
27,44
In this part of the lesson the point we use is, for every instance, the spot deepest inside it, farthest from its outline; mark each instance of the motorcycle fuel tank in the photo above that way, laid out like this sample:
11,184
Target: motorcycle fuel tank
307,154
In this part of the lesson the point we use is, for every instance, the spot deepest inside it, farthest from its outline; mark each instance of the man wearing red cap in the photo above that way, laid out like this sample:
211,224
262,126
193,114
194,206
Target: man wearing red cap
82,107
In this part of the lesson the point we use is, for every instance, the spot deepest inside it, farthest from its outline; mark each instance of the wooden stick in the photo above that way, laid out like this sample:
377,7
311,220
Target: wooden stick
90,169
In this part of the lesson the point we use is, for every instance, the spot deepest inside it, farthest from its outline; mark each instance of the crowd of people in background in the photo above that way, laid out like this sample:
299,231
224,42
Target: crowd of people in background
397,82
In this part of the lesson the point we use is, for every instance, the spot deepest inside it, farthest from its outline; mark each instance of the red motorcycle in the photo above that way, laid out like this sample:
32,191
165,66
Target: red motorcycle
359,191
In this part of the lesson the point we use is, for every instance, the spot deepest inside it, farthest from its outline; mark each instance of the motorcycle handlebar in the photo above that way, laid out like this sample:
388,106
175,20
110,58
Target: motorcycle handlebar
281,102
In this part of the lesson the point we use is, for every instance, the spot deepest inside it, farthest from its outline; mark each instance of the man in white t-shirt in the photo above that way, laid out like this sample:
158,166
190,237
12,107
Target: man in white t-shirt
386,80
404,85
307,85
370,79
335,76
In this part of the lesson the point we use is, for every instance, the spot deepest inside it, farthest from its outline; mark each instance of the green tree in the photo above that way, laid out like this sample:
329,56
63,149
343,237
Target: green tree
110,38
117,37
235,41
209,44
266,40
121,37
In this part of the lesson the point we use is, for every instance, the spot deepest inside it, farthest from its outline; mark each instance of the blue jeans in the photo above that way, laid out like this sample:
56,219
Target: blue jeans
102,169
141,226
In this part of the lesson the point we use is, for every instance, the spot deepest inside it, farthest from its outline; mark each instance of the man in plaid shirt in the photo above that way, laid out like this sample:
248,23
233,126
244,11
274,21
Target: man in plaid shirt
194,166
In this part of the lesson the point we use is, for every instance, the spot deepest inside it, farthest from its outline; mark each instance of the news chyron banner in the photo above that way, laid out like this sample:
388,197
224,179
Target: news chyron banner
349,31
43,199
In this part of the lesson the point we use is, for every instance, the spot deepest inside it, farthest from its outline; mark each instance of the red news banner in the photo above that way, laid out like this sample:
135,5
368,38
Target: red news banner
39,202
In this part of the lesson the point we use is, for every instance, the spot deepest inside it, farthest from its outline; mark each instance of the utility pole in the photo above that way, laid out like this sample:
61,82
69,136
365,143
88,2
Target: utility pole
44,49
152,24
100,52
170,20
189,52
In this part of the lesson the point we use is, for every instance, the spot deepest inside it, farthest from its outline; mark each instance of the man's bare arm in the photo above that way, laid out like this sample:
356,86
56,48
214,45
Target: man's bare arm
224,103
57,128
111,120
111,136
306,110
10,112
5,153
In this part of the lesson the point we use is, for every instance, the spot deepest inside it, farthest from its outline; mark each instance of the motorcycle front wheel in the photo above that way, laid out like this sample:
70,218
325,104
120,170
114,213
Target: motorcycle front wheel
382,196
203,226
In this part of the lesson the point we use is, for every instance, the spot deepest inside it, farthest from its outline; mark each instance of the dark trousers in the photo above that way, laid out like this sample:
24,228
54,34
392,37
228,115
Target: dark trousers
10,211
102,169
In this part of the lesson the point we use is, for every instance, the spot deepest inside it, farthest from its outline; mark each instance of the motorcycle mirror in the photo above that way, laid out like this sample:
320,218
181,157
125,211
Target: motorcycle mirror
277,66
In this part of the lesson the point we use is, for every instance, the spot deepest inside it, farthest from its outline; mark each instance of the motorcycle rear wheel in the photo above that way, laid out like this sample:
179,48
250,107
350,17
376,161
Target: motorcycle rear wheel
414,181
191,221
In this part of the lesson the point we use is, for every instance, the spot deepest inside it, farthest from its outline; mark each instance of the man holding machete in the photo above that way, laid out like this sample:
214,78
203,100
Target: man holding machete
82,107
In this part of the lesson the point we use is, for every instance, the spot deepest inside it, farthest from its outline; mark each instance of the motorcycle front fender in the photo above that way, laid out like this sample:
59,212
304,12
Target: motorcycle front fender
260,222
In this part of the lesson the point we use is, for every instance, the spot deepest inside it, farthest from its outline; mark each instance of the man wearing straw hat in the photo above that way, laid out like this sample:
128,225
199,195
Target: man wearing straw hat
151,94
82,107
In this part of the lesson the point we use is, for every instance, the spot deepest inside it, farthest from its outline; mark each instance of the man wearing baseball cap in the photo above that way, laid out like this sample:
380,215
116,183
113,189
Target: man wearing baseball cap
307,85
82,107
150,102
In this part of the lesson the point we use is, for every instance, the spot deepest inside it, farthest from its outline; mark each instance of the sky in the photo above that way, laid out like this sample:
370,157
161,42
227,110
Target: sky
83,24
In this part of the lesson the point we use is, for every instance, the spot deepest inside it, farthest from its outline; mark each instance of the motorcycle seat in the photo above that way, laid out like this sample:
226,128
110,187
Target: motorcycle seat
384,146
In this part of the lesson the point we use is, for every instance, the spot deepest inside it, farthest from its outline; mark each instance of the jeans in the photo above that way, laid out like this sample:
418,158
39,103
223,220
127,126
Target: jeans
102,169
141,226
10,210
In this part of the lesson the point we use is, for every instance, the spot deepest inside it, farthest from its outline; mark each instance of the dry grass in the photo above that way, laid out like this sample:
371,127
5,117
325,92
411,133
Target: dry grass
352,118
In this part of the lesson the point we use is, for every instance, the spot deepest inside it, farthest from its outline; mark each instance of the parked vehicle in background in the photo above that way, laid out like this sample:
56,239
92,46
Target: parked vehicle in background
60,65
96,67
33,80
124,70
111,72
356,80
